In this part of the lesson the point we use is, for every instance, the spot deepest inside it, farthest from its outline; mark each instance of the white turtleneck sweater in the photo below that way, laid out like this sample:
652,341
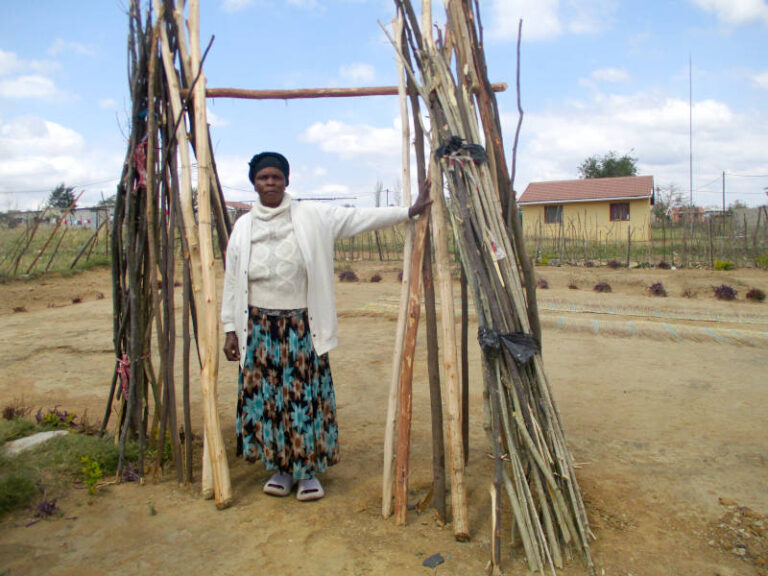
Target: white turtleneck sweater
277,274
316,226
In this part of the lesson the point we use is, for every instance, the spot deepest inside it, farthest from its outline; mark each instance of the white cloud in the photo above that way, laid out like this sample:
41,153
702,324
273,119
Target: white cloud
651,126
59,46
33,136
36,155
236,5
108,104
736,12
307,4
540,19
354,140
761,79
27,87
214,119
614,75
546,19
358,72
588,16
11,64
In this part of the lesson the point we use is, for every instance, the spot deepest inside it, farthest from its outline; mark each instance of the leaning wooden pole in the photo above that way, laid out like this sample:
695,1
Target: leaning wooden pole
394,387
453,397
406,373
207,304
430,309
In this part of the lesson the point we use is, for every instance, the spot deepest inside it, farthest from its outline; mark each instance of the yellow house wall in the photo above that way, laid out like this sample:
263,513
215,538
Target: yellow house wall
591,220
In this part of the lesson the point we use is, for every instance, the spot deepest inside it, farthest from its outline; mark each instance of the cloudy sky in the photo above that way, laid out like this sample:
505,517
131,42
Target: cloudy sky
596,76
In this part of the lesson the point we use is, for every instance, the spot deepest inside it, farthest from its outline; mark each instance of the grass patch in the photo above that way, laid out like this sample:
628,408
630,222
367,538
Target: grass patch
48,470
15,428
17,488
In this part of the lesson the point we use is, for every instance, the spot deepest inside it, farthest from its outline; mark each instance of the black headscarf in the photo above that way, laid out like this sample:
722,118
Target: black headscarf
268,160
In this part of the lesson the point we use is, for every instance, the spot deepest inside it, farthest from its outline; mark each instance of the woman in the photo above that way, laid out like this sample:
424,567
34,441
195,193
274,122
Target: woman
279,315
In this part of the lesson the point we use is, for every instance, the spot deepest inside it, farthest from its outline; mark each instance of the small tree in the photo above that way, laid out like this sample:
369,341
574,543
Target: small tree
666,198
61,197
109,201
608,166
737,205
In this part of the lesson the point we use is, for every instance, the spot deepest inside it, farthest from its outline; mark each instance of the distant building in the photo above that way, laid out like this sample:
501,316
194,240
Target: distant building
237,209
91,217
589,208
679,214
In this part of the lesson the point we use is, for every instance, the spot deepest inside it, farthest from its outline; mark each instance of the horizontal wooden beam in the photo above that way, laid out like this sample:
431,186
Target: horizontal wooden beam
310,92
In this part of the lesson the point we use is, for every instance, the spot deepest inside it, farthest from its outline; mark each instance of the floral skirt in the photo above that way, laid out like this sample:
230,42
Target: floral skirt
286,406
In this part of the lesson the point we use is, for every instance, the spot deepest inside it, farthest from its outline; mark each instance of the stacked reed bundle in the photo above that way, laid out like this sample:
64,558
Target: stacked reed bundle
154,203
532,462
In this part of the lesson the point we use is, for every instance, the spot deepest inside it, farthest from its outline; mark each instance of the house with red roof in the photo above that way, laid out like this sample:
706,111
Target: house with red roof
589,208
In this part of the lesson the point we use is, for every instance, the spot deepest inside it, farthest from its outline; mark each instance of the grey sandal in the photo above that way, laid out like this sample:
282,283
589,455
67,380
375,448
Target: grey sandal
279,485
309,490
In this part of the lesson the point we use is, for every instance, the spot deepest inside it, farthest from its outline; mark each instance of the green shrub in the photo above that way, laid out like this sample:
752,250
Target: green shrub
92,473
762,261
723,265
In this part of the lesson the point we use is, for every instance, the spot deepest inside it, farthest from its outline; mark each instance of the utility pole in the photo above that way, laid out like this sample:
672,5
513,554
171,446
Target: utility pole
690,138
723,191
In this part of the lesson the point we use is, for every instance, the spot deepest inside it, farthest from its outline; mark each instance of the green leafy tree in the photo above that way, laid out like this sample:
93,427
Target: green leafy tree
109,201
737,205
61,197
608,166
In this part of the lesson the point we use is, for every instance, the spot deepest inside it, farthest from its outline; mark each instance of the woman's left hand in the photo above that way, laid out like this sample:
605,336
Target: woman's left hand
422,202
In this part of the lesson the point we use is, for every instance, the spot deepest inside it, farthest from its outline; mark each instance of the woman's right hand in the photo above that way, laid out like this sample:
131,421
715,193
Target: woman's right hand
231,347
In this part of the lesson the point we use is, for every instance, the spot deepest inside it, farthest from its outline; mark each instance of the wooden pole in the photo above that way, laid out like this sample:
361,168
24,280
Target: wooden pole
56,229
629,244
58,244
207,304
406,373
309,93
447,317
88,243
464,363
435,394
430,306
392,401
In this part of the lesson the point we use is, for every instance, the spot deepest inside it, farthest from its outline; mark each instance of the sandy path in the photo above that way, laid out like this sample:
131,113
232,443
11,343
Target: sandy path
661,426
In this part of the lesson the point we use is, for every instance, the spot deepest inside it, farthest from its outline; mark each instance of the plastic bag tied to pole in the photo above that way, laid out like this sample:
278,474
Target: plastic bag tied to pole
520,345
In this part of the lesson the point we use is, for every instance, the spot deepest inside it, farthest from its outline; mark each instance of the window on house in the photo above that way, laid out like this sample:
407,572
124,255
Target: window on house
620,211
553,214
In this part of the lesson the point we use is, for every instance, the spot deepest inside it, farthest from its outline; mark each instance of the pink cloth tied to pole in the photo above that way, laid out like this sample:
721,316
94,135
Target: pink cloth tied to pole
140,163
124,371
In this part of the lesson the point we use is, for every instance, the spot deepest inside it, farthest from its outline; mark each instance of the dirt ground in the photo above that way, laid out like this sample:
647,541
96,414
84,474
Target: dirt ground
665,403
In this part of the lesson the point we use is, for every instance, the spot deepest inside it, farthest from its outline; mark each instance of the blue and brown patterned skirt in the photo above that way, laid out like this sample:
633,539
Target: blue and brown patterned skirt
286,406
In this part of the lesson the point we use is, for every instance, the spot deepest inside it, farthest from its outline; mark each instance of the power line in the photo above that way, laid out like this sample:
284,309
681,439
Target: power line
47,190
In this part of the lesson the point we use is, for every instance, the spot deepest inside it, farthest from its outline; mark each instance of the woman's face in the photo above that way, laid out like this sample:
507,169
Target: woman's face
269,182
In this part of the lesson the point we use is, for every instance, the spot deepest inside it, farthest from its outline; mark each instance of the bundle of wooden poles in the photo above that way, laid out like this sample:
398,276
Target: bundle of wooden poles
154,216
472,191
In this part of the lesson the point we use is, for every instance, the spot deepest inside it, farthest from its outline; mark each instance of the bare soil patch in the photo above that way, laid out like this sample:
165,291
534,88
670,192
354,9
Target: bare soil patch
664,401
